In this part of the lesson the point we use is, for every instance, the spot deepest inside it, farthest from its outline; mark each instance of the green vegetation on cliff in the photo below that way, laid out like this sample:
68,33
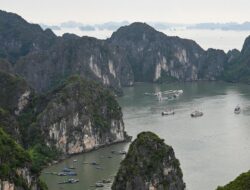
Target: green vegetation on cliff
12,87
89,99
238,67
149,161
242,182
12,158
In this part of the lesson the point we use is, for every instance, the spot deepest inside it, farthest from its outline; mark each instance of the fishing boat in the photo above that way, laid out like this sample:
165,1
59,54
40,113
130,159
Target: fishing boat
237,109
196,114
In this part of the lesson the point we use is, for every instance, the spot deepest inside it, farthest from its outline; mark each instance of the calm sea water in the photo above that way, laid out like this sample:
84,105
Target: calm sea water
212,150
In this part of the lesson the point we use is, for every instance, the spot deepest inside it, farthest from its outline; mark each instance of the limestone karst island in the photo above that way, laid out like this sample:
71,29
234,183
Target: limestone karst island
124,95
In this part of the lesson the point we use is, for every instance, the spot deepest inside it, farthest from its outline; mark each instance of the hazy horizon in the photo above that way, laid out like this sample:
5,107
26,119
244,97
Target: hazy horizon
189,12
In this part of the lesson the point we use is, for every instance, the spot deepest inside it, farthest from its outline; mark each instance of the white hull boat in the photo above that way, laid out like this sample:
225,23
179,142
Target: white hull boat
167,113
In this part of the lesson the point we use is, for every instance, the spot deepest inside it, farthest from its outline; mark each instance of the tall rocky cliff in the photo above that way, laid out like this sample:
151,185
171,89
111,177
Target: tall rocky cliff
15,166
150,164
76,117
134,53
154,56
238,68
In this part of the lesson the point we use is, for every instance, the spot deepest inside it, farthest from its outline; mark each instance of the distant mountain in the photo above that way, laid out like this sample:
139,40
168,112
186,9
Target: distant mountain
155,57
87,28
19,38
112,26
134,53
222,26
52,27
90,27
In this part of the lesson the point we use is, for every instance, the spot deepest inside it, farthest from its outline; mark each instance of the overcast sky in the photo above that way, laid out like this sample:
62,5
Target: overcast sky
97,11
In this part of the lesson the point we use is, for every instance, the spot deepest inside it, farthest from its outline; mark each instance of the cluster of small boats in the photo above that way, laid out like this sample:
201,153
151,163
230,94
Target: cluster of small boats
166,95
68,171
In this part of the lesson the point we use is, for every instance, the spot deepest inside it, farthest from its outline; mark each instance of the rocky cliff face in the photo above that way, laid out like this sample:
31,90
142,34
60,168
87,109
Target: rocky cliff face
15,96
238,68
88,57
15,93
134,53
15,166
154,56
18,37
149,165
78,116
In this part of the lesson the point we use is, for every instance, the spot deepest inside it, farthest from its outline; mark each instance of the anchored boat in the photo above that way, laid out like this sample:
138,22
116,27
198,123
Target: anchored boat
168,112
196,114
237,109
69,181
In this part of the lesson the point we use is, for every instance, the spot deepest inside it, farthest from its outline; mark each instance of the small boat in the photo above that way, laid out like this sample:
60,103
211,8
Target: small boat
147,94
71,181
99,185
61,174
106,181
66,169
99,168
74,160
168,112
94,163
122,152
71,174
159,96
237,109
196,114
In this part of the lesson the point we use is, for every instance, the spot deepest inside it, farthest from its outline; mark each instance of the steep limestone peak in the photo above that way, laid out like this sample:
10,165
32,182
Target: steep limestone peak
246,46
149,164
18,37
135,32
